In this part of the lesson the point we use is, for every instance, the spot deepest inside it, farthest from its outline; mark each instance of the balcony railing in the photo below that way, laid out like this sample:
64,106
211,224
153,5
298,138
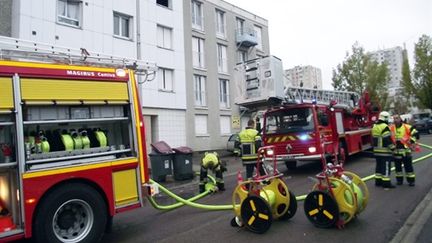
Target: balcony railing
246,37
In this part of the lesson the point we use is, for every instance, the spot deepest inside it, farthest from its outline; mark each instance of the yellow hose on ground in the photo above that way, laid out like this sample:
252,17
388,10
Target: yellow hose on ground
190,201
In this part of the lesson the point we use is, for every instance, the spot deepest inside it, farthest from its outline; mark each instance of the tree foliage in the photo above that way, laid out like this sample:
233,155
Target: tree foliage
359,73
421,85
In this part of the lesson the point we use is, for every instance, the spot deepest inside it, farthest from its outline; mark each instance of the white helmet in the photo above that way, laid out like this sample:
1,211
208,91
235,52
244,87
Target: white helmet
384,116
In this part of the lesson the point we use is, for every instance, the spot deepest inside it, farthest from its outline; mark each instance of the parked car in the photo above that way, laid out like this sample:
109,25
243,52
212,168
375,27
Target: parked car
422,122
233,144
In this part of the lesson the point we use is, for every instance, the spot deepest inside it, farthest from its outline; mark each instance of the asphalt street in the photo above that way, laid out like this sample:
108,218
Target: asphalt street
390,214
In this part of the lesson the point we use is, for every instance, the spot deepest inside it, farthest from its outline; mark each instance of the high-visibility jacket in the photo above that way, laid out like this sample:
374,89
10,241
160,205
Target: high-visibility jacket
211,161
248,138
382,143
403,136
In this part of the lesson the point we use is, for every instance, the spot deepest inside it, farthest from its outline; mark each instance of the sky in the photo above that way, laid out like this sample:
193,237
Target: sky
320,32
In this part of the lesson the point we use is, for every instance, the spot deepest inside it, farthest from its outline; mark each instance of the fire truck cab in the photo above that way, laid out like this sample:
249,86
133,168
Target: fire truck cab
72,137
304,124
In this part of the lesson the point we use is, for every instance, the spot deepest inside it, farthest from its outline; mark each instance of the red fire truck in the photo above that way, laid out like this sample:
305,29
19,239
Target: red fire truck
323,123
303,124
72,137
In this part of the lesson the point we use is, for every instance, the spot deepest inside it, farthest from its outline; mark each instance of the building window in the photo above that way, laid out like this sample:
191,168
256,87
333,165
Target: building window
122,25
242,56
201,125
164,37
225,125
222,58
240,25
198,52
224,97
220,23
165,79
200,90
69,12
165,3
258,31
197,16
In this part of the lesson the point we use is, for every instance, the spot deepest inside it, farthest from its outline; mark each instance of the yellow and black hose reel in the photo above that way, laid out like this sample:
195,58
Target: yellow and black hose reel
257,203
344,200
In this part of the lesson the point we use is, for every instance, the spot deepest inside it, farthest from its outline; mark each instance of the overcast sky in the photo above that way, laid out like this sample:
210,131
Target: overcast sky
320,32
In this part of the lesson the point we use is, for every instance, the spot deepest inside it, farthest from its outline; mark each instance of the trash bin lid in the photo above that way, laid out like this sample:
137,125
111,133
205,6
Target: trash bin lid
162,147
183,150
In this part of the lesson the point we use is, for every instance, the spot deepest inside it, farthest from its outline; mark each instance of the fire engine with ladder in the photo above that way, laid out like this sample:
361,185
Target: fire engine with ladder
72,144
303,124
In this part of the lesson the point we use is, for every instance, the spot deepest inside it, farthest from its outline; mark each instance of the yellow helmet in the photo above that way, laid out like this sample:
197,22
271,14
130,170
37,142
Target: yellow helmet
384,116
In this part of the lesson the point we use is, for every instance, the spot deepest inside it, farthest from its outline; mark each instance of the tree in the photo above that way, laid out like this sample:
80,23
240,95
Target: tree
421,85
359,72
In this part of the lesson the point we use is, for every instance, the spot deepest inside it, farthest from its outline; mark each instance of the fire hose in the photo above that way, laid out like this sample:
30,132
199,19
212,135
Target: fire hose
211,188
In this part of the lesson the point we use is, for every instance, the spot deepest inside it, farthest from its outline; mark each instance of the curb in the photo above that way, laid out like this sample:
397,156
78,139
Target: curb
415,222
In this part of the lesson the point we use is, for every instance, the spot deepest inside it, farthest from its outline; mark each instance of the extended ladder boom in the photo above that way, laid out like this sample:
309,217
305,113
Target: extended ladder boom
321,96
24,50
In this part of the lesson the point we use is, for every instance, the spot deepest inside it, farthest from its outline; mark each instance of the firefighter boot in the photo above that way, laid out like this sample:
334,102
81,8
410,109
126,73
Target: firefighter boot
201,187
387,184
399,179
221,186
410,178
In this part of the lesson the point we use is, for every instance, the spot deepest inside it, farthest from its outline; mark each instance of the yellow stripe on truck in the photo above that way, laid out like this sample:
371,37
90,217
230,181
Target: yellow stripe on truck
58,90
6,93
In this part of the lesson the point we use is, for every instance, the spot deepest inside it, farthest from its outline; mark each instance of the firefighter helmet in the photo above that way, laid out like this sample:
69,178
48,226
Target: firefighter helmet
384,116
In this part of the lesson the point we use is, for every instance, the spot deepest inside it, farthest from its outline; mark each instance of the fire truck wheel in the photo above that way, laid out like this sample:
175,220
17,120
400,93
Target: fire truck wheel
291,165
72,213
292,208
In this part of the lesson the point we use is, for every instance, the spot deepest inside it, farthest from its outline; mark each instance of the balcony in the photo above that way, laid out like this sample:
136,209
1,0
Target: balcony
246,37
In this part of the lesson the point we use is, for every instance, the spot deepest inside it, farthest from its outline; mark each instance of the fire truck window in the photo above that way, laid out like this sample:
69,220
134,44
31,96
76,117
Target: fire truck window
322,118
290,120
271,126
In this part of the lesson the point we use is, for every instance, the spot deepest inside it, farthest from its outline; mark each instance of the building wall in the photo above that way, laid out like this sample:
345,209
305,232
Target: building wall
215,138
309,75
394,59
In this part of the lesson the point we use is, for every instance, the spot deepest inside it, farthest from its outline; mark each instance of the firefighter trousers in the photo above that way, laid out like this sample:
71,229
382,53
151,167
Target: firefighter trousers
250,167
406,161
383,171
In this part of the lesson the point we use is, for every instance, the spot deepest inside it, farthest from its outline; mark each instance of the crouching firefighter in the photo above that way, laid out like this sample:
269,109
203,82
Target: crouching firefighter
211,161
405,136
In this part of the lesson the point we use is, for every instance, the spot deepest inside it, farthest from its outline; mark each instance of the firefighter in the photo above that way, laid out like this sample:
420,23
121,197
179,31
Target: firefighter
382,149
250,141
211,161
405,137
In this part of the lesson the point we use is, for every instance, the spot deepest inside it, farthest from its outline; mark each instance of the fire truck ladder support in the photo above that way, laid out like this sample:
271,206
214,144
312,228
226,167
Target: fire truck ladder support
190,202
24,50
321,96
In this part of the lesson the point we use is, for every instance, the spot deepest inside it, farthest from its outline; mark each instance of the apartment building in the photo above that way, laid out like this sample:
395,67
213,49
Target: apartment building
218,35
394,59
150,30
309,76
195,45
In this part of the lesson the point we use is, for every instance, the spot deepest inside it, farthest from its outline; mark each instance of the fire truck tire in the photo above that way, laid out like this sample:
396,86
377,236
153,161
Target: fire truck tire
71,213
291,165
